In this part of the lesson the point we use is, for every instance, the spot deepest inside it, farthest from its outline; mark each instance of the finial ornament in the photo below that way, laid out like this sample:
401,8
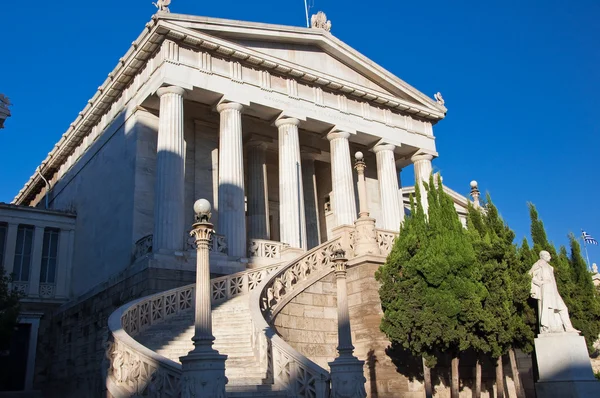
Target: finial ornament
162,5
319,21
438,98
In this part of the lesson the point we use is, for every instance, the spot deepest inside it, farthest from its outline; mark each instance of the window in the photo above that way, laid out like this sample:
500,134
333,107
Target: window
23,253
3,230
49,251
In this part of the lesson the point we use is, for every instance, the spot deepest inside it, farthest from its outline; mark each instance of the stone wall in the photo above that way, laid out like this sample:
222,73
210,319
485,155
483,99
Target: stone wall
99,189
70,344
309,322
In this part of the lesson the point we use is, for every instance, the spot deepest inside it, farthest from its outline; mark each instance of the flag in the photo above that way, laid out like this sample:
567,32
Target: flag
587,238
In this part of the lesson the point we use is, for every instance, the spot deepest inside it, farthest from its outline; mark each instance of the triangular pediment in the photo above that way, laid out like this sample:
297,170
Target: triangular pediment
309,49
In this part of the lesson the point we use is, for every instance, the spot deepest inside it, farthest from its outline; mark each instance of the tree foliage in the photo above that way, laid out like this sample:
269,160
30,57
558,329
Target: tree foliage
508,318
9,310
431,290
573,279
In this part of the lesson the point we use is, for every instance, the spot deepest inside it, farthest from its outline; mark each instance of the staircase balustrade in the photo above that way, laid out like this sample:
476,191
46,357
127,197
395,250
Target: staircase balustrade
266,248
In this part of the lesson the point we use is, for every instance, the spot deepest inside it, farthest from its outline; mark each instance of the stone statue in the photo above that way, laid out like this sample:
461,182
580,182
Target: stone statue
438,98
594,268
162,5
319,21
553,313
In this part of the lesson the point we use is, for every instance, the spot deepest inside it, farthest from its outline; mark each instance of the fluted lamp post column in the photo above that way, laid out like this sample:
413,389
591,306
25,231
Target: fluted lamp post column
347,377
365,236
203,367
475,194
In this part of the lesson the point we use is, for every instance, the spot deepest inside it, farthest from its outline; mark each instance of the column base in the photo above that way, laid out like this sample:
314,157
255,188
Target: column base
365,237
203,375
347,378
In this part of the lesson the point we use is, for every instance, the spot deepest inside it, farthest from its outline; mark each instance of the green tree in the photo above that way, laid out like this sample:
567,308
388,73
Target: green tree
431,290
585,310
9,310
506,312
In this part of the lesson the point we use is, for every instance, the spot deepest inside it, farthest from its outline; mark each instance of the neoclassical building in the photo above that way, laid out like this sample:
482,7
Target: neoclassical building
263,121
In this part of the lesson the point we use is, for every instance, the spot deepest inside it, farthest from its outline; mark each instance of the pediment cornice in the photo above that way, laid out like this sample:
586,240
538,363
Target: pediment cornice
163,27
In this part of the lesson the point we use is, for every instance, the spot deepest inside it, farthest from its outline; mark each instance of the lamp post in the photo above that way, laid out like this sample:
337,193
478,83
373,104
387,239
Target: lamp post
365,236
475,193
203,368
347,377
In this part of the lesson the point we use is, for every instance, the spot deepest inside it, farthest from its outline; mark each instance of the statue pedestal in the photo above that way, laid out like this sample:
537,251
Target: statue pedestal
564,367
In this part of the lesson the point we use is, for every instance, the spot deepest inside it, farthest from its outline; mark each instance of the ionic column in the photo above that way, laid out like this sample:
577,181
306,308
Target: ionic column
423,169
258,204
391,208
344,205
292,224
36,261
232,214
169,221
311,209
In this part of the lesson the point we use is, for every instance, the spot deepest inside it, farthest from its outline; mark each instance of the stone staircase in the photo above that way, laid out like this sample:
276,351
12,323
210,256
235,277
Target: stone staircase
232,328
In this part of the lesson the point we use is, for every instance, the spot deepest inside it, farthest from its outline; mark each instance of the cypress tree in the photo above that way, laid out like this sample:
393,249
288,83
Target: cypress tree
585,310
431,290
506,310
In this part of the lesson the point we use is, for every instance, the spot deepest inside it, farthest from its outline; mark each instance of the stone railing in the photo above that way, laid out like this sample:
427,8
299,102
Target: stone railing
130,367
385,240
265,248
143,246
287,367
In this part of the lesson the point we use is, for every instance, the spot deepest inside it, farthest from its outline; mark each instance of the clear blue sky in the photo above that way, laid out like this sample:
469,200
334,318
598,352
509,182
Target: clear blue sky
520,79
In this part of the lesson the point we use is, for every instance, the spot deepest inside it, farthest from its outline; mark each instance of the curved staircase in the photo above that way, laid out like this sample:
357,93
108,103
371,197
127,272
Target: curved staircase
149,335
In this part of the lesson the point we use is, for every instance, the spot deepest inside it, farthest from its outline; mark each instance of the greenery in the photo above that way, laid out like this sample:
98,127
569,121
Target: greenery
573,280
508,318
431,289
9,310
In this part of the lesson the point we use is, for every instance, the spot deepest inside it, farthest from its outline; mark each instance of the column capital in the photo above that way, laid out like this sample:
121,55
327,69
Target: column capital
337,134
287,121
384,147
225,106
170,90
421,156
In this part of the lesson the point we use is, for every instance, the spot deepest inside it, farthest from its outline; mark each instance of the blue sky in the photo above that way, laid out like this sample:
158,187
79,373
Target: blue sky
520,79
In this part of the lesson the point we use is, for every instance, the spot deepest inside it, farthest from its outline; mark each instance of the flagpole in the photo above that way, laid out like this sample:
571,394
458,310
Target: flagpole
586,251
306,10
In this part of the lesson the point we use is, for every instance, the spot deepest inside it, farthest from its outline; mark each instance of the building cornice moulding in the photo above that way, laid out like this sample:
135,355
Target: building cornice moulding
149,42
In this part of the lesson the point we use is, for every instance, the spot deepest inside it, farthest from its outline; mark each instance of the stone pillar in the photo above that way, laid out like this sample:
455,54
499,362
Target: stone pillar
169,227
347,378
36,261
365,235
258,192
203,368
9,248
423,169
311,207
475,194
344,205
232,213
65,259
392,210
292,225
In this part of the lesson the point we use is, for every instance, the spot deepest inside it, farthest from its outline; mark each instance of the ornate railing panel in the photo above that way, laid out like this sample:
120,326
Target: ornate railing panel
143,246
266,248
288,368
229,286
385,240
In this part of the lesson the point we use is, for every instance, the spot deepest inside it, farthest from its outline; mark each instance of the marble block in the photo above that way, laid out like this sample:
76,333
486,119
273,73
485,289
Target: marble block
564,367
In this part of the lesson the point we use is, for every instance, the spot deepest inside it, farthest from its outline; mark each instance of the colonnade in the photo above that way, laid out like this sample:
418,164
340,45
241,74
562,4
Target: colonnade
297,187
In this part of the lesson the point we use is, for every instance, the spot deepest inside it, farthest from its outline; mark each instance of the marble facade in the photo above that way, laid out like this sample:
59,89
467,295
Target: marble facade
261,120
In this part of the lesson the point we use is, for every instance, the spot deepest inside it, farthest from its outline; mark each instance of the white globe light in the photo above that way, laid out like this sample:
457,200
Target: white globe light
473,184
202,206
359,155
